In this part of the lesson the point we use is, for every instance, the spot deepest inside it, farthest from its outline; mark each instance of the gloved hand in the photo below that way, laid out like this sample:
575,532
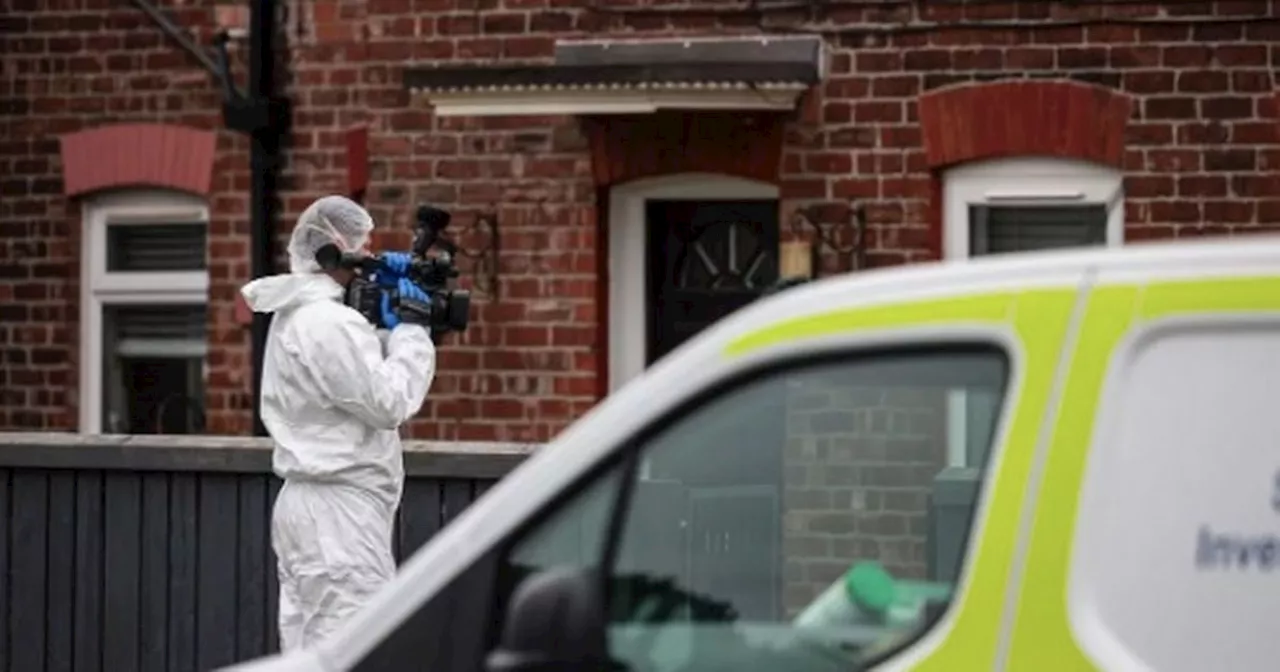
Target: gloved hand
391,267
390,319
414,304
396,263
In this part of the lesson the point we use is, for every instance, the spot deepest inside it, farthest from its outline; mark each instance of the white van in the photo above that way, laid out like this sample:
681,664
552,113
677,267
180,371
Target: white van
1041,462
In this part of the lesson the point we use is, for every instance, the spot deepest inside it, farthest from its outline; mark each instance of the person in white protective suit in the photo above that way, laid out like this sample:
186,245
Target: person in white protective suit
333,396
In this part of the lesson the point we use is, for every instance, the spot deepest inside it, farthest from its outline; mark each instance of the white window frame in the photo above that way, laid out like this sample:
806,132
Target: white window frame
1027,181
100,288
1018,181
629,254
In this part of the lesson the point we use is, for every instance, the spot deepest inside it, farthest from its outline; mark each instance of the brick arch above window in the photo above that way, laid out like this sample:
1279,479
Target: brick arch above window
138,155
993,120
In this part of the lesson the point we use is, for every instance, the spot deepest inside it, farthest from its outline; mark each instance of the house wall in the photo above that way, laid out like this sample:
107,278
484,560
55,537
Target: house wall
66,71
1188,105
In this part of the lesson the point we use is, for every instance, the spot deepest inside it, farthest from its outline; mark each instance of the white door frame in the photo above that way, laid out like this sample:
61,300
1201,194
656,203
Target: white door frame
629,254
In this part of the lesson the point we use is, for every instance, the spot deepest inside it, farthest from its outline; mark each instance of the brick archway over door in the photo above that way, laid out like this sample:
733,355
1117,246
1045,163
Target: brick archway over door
138,155
742,144
1060,119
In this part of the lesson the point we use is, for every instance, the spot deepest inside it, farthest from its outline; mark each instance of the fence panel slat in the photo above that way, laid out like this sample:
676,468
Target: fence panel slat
122,570
273,581
155,572
251,572
27,569
216,581
62,571
6,538
420,514
89,572
457,497
183,540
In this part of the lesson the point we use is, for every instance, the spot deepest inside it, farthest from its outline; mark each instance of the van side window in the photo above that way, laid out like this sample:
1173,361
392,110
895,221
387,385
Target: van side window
805,519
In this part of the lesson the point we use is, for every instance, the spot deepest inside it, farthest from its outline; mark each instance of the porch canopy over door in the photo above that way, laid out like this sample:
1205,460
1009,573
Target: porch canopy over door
608,77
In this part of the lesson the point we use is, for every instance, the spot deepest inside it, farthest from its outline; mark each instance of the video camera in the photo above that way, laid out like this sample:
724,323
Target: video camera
448,309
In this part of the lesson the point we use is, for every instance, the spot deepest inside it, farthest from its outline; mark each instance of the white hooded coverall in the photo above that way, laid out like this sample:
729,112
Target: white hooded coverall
332,403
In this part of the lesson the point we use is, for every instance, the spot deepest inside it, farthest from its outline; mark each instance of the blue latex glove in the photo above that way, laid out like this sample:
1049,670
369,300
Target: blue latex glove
396,263
409,290
390,319
391,267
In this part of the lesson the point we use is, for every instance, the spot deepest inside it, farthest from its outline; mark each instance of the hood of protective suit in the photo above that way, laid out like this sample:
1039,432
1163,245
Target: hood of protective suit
279,292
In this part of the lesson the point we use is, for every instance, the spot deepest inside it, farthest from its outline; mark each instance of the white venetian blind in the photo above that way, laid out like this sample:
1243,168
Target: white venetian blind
156,247
157,330
1000,229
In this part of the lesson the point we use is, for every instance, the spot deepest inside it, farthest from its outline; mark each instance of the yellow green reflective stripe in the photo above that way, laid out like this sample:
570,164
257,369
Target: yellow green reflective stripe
982,307
1039,319
1042,636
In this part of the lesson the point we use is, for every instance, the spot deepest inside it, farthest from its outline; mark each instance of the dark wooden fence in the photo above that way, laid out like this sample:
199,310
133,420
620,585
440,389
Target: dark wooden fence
153,553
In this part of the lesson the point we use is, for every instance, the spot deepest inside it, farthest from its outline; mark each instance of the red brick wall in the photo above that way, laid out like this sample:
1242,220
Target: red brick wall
70,67
1201,154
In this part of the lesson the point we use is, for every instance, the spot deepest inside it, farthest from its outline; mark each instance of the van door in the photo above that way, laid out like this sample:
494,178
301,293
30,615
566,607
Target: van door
865,439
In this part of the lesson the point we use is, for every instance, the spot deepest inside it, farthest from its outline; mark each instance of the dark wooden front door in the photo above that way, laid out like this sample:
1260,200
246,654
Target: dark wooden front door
706,260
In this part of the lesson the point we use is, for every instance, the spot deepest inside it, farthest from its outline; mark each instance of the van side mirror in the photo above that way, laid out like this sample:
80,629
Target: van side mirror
555,622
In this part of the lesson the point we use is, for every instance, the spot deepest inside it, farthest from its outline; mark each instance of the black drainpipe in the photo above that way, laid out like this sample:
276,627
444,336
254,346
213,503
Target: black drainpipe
266,138
264,116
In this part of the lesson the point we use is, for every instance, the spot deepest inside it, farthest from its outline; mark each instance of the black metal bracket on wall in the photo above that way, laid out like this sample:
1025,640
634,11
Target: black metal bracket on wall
856,251
264,116
485,258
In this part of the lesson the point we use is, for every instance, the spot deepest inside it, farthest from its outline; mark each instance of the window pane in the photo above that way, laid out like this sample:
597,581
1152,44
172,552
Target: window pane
153,361
575,537
1000,229
156,247
572,537
982,408
759,509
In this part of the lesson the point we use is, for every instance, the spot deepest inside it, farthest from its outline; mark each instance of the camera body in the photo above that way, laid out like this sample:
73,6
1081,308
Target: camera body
447,310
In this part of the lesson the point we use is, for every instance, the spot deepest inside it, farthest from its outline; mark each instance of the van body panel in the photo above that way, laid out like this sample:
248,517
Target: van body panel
1047,635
